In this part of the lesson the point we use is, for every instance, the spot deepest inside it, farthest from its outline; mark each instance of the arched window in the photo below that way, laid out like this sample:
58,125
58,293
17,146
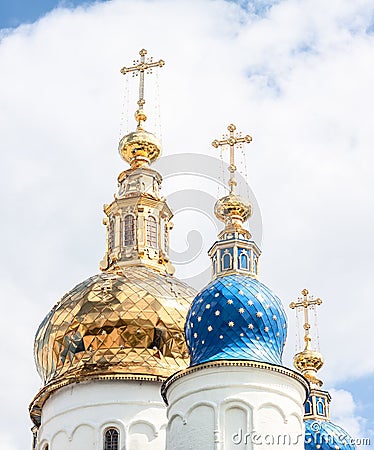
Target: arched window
320,406
128,230
243,260
111,232
226,261
151,232
308,407
166,239
111,439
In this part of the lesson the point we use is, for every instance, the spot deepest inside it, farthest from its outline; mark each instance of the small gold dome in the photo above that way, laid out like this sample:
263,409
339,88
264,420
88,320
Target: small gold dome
308,362
232,207
139,147
127,323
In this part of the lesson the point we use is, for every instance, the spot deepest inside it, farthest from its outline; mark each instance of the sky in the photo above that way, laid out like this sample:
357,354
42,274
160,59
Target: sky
295,74
18,12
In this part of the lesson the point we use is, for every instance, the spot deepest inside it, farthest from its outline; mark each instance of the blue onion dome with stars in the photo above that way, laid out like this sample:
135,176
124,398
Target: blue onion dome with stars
235,317
325,435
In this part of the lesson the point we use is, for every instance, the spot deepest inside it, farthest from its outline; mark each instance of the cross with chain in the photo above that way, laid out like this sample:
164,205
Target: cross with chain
139,68
232,140
305,302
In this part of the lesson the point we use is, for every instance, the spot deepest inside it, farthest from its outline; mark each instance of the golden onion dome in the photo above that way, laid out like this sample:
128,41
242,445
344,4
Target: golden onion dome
128,323
308,362
232,207
139,147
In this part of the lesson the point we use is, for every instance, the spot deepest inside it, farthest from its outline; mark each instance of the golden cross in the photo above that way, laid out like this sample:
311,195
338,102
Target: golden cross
232,140
306,301
139,67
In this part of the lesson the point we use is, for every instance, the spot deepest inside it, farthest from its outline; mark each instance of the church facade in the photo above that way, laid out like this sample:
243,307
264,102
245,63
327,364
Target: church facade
135,359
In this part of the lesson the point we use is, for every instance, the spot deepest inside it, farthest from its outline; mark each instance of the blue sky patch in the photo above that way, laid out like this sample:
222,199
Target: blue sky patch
257,7
362,390
16,12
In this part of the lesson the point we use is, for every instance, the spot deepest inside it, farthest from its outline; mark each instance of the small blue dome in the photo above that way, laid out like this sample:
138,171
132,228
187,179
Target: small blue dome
236,317
325,435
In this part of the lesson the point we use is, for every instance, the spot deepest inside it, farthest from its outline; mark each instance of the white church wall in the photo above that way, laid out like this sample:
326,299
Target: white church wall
234,417
249,408
76,416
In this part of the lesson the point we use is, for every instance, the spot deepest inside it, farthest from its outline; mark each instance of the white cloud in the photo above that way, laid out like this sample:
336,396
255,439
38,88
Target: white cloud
299,79
344,413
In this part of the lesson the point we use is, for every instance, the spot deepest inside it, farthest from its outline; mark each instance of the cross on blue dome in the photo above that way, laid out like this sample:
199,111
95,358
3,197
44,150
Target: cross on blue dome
235,317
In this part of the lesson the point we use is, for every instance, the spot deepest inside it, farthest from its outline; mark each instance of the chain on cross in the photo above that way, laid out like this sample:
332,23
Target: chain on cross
232,140
305,302
139,68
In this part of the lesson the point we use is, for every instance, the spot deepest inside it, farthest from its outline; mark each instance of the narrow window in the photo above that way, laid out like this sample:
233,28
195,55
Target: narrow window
320,406
111,232
226,261
111,439
308,407
151,232
128,230
166,240
243,260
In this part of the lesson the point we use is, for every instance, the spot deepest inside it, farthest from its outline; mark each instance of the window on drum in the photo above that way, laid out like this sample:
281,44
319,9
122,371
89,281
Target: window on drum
128,230
151,232
111,232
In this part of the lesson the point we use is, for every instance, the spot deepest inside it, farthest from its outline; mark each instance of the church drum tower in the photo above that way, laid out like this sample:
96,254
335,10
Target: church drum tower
236,394
107,345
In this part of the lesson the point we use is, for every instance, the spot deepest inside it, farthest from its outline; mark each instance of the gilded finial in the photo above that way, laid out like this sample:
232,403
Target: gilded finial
308,361
138,68
232,140
232,209
140,147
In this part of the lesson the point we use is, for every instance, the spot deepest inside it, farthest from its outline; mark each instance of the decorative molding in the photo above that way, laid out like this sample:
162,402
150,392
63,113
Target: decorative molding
143,422
42,396
272,405
211,405
234,363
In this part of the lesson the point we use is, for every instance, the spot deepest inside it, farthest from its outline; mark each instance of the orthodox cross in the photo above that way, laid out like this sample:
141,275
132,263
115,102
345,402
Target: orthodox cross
139,67
232,140
306,302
